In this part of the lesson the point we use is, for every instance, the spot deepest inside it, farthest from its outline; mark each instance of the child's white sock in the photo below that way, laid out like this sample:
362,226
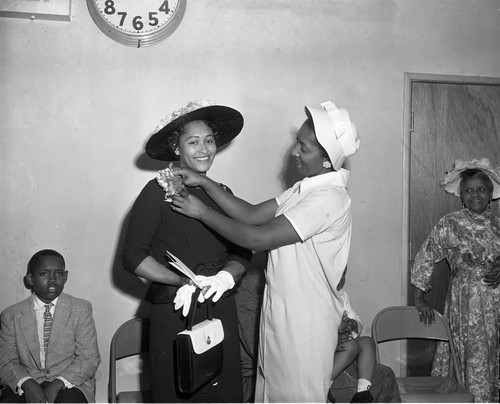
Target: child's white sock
364,385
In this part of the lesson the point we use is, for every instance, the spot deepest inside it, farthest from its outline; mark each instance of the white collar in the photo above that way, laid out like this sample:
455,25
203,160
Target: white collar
39,305
333,179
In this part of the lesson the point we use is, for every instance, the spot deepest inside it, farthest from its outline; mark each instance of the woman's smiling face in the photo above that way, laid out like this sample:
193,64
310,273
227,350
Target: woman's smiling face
475,193
197,147
307,153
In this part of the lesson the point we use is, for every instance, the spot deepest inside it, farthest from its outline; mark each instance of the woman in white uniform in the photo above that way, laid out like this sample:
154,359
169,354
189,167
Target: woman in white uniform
307,231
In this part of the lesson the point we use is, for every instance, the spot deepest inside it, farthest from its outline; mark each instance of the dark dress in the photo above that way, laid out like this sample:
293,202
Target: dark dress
154,228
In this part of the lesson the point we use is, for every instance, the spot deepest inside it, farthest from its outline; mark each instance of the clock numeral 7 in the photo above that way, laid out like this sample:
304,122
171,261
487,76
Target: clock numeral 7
123,15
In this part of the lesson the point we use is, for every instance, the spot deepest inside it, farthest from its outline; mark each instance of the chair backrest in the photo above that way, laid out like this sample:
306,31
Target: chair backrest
131,338
403,322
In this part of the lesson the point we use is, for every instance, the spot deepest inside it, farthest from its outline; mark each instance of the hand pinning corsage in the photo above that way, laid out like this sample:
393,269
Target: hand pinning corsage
172,184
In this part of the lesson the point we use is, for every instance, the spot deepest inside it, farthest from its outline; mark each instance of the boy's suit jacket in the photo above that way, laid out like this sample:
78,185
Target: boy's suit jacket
72,351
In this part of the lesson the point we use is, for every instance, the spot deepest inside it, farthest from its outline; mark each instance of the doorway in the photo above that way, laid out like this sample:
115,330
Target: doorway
445,118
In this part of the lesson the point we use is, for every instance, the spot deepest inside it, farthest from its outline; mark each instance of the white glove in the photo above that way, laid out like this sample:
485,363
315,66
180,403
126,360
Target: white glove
218,284
183,298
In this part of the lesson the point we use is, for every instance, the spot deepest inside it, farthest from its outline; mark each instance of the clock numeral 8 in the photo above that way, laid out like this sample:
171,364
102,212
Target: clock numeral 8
109,7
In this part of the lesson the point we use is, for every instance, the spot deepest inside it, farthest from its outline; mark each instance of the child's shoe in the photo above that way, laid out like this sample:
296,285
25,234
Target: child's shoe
363,397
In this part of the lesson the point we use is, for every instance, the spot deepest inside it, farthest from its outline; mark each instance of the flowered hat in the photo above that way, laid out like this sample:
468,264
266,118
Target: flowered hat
451,181
228,121
335,132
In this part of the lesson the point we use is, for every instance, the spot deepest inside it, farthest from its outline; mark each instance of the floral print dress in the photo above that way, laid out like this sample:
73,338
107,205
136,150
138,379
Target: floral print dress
469,242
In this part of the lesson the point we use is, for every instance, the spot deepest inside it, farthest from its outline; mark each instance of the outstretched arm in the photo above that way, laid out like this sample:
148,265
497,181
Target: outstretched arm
269,235
233,206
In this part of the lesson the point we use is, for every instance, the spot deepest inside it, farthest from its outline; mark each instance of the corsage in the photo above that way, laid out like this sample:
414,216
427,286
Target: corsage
172,184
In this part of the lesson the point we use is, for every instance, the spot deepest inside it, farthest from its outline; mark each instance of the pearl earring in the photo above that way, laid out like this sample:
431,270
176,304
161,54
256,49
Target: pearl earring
176,152
327,164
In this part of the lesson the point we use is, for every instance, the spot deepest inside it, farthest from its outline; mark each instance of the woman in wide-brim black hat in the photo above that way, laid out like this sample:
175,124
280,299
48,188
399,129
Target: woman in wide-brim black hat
226,123
191,136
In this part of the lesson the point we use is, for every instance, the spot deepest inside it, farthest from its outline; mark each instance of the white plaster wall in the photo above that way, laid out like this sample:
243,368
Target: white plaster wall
76,109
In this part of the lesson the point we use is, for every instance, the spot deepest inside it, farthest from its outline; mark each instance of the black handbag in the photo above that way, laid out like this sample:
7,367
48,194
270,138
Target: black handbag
199,349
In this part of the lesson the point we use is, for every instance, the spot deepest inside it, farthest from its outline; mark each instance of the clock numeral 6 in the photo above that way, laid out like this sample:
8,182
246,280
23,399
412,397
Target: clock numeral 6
137,23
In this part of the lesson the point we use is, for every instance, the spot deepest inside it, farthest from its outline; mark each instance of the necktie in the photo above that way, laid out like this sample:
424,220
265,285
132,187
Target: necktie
47,324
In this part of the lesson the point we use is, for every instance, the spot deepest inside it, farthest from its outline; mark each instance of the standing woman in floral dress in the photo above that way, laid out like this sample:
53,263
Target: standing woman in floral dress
469,240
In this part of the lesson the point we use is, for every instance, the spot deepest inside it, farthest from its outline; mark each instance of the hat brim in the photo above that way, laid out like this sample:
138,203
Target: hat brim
228,121
451,181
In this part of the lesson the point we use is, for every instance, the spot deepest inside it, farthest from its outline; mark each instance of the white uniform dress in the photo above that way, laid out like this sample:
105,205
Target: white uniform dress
301,311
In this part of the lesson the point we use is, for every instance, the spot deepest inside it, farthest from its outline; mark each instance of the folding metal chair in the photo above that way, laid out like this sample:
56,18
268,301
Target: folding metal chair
131,338
403,322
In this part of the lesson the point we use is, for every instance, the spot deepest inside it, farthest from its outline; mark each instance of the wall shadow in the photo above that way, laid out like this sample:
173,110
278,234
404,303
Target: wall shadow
124,280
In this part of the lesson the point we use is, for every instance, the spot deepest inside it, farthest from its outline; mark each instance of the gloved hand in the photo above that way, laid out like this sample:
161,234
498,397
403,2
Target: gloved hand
183,298
217,284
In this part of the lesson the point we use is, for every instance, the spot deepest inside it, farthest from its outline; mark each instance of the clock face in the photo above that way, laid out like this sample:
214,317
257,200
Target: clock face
137,22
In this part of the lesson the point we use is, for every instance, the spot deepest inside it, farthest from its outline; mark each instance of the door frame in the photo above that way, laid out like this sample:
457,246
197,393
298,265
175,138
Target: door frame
409,79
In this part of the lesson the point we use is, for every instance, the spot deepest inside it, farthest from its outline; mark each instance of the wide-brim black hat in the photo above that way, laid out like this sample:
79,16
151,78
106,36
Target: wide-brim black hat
228,122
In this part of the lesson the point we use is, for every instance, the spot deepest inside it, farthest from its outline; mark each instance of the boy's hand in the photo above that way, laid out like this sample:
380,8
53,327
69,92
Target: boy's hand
348,325
33,392
352,326
52,390
344,324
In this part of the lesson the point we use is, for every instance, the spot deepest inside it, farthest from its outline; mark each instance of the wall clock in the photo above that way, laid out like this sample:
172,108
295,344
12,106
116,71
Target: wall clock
137,22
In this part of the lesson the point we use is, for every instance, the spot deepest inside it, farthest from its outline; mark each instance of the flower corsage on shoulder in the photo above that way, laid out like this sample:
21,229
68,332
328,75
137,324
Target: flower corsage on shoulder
172,184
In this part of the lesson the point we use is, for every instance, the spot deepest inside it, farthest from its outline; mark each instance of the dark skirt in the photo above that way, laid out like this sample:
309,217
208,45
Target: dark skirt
165,324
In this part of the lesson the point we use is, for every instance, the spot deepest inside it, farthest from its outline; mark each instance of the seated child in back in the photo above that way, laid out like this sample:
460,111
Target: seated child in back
48,342
351,347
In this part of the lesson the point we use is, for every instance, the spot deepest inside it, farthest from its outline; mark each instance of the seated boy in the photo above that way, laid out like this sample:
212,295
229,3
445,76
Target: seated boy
351,347
48,342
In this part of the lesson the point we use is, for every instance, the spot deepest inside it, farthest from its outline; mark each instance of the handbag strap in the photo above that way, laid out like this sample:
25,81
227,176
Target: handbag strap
194,301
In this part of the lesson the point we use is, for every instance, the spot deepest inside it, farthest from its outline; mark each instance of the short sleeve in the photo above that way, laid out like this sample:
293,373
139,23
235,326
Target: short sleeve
318,211
431,251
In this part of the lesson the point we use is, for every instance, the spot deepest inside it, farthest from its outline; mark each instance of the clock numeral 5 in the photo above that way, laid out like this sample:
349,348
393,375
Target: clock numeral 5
153,21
